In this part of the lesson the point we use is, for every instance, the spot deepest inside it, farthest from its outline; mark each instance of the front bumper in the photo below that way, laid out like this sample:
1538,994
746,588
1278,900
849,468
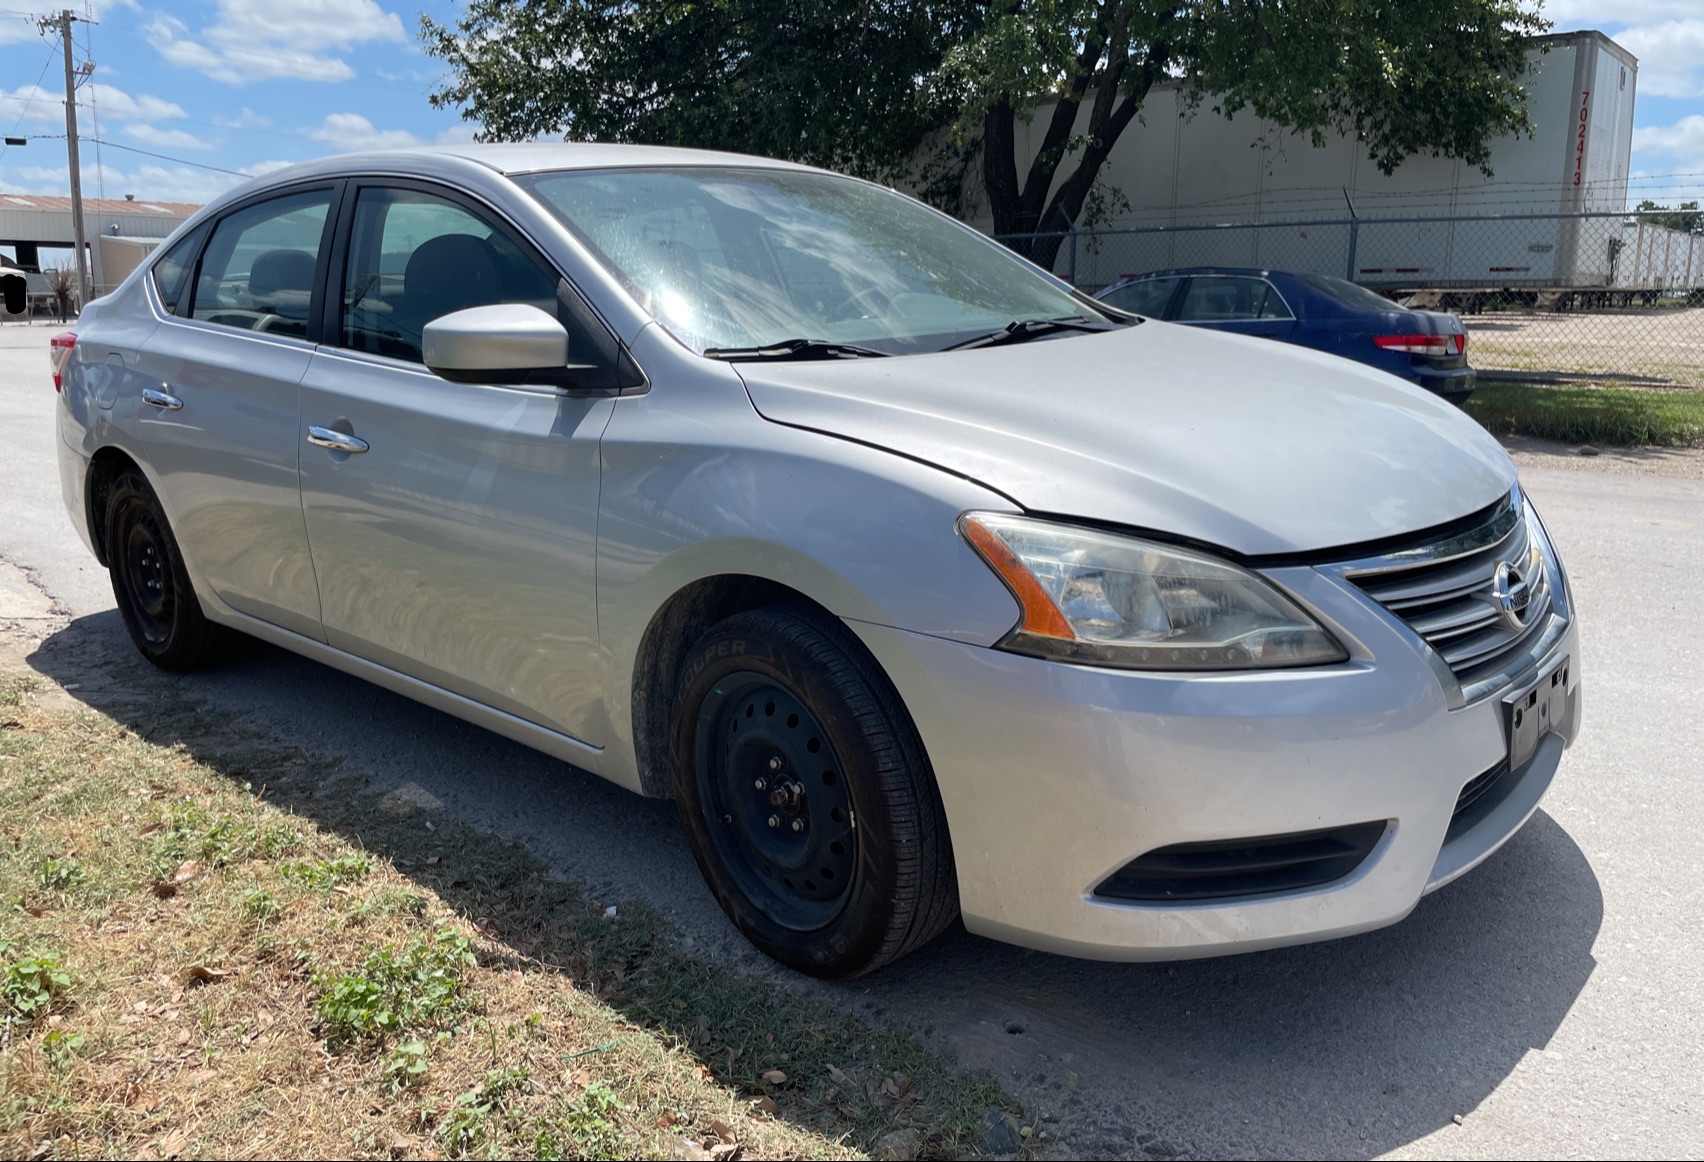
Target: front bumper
1055,776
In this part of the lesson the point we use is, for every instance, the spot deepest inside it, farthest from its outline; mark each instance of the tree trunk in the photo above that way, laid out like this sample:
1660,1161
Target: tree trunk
1018,213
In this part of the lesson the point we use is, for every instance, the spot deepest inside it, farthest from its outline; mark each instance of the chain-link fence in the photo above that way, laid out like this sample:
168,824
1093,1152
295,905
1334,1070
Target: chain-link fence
1610,298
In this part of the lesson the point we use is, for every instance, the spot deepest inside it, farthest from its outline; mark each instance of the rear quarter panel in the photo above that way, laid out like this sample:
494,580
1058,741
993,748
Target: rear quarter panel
101,389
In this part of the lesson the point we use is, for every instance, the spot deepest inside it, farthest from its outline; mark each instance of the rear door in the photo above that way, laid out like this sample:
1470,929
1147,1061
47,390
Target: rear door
1240,304
457,543
221,413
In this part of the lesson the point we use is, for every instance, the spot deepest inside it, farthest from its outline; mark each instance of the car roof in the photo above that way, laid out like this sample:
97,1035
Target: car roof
1178,271
450,162
511,158
532,156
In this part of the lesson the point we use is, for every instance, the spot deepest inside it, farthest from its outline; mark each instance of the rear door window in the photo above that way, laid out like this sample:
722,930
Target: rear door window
1230,298
258,270
1147,297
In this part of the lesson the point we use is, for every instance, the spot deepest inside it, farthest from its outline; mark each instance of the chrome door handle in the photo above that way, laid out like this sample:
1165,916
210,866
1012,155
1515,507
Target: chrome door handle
160,399
335,440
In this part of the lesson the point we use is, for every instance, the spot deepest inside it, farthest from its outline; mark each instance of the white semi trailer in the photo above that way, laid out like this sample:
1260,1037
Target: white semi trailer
1206,190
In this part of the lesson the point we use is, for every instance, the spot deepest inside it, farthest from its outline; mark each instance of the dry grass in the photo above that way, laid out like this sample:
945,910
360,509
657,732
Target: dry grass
228,974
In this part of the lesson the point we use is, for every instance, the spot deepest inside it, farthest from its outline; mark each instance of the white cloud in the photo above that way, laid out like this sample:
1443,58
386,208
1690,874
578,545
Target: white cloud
1683,141
461,133
40,106
160,183
121,106
247,119
351,131
1671,57
257,40
164,138
1569,15
16,27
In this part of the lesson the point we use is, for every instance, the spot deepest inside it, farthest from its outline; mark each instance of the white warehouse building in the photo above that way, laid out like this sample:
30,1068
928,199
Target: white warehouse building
1197,188
35,233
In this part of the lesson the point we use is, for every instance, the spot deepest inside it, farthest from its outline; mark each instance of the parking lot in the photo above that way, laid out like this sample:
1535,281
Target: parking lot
1550,1004
1663,346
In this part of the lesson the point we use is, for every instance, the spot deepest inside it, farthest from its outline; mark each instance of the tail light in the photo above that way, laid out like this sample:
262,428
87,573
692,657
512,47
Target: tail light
1437,346
59,349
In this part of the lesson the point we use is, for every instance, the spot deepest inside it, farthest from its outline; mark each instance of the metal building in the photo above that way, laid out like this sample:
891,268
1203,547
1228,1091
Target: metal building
120,234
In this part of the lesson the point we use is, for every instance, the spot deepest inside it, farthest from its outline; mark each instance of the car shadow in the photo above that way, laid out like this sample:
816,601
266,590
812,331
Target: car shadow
1343,1049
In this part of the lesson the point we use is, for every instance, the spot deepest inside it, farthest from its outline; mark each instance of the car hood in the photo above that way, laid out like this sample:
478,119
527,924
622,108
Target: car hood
1251,445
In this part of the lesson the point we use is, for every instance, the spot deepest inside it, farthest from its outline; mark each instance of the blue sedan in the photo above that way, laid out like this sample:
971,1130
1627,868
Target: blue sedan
1312,310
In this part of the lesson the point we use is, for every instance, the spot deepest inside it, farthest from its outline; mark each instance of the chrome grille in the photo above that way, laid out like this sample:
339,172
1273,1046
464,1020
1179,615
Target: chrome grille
1445,592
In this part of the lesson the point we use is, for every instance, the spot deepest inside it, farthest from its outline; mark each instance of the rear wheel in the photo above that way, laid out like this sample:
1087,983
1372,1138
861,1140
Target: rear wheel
155,598
806,795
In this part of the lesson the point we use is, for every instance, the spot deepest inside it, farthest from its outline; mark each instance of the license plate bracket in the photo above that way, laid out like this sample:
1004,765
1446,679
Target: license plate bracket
1535,710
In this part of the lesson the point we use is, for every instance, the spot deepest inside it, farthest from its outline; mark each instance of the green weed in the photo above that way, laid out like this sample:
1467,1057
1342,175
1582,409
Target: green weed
260,907
587,1128
59,875
31,982
421,985
468,1124
331,873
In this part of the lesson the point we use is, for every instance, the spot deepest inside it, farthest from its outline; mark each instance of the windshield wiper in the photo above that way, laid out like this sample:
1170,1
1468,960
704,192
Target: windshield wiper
795,349
1022,330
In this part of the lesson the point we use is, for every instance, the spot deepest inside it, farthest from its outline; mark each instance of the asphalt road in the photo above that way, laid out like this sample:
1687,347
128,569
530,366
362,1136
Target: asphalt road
1552,999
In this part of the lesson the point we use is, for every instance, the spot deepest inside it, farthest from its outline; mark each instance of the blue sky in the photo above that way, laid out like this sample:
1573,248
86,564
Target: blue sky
248,85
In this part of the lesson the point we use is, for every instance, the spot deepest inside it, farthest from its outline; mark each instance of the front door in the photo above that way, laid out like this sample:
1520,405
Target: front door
221,418
456,542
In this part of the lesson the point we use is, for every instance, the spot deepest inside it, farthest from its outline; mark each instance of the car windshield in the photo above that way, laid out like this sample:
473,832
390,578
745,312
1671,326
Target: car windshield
733,258
1348,293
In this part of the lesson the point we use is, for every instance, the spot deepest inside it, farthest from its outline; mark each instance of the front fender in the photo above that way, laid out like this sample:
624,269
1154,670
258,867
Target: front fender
696,485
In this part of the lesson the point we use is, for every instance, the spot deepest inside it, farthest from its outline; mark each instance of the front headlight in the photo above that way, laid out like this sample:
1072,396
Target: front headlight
1111,600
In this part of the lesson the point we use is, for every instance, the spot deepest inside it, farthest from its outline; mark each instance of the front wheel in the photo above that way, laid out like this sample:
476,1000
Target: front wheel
806,795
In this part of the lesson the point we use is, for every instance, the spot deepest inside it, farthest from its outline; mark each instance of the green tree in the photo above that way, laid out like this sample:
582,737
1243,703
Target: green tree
1686,217
853,85
860,86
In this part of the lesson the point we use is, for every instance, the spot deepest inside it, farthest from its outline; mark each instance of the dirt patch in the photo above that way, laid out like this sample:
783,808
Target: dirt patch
1681,463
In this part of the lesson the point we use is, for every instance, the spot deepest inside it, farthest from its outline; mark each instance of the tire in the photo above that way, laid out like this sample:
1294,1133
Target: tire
155,598
819,828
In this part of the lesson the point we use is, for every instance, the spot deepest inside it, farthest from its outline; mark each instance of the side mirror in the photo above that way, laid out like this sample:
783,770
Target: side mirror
504,343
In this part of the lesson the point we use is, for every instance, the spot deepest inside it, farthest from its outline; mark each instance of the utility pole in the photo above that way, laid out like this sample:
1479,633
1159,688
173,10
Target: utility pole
63,21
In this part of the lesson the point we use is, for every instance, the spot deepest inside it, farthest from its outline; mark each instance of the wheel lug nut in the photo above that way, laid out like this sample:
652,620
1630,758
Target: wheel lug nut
798,825
775,763
761,784
775,821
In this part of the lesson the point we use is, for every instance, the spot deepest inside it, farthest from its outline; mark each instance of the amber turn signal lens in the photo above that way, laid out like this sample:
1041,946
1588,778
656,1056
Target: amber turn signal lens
1041,616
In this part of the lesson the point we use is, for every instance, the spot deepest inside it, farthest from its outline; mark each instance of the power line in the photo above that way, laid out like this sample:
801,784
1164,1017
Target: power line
94,109
146,153
30,100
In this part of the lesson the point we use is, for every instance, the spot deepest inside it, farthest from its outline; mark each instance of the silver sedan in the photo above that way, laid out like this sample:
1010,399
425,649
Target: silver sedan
923,583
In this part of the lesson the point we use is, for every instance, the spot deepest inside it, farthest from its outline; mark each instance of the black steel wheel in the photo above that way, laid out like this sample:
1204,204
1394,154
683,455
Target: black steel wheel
765,771
806,795
155,598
